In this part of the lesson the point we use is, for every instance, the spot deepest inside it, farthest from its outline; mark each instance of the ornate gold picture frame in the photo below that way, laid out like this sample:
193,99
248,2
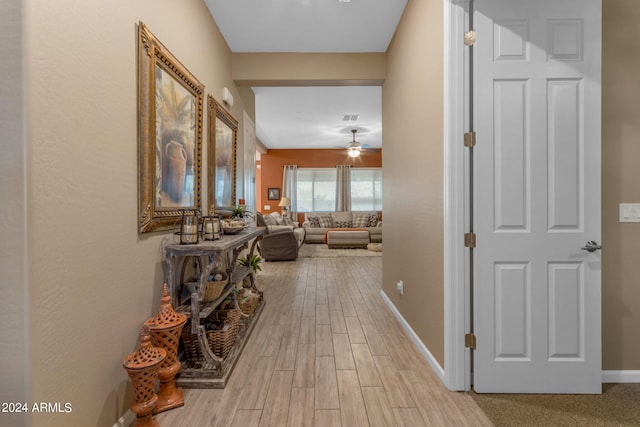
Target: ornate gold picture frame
222,155
170,112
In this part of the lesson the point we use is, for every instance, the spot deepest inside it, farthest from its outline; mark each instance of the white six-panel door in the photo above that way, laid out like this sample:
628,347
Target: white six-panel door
537,196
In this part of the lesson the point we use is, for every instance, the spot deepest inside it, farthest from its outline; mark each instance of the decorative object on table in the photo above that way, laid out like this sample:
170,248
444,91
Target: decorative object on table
240,212
142,367
170,109
189,230
221,326
238,220
215,285
248,300
223,137
273,193
211,227
241,202
166,328
285,202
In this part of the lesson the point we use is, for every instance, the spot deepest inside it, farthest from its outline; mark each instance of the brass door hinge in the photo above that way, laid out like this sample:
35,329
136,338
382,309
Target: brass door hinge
470,341
470,139
470,38
470,240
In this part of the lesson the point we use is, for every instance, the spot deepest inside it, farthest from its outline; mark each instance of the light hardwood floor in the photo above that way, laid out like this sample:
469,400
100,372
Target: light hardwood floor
327,351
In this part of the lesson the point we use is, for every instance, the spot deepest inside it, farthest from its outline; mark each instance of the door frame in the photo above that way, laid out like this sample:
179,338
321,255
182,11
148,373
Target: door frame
457,309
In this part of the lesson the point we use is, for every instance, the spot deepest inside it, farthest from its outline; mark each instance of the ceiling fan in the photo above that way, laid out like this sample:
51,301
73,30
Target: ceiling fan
355,148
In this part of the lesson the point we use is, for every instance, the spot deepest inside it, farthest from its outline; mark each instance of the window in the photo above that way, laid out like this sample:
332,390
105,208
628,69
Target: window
316,190
366,189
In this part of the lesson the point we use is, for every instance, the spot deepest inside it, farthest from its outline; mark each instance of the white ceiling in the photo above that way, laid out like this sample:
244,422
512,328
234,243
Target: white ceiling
307,25
312,117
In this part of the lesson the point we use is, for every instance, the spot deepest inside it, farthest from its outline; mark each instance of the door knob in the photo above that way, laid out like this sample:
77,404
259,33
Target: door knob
591,246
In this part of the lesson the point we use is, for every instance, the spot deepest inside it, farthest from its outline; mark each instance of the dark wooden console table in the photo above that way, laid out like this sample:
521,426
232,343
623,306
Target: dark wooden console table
214,371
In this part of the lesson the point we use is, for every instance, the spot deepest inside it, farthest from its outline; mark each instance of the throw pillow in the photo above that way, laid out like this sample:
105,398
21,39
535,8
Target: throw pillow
360,220
373,221
269,220
315,221
326,221
344,224
287,221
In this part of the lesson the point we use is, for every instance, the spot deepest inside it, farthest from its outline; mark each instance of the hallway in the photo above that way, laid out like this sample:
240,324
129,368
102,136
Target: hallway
327,352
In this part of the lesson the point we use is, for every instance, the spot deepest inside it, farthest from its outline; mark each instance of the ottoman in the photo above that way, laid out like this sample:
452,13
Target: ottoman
347,238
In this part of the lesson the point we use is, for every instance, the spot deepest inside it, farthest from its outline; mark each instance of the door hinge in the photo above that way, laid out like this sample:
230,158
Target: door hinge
470,341
470,139
470,240
470,38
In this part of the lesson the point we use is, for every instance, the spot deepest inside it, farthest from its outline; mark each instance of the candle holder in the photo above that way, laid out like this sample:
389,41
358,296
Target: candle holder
211,227
189,222
166,328
142,367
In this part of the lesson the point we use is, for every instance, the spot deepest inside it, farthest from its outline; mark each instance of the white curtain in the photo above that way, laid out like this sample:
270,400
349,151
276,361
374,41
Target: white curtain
289,188
343,188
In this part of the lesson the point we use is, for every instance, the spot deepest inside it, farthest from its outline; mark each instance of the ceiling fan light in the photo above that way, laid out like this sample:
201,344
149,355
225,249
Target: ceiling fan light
354,152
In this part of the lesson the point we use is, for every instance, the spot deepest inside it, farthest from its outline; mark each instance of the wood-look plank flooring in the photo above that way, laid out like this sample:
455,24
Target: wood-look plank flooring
326,352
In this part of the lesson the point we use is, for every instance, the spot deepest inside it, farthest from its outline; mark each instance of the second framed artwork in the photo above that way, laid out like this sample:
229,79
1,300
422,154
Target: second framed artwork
222,154
273,193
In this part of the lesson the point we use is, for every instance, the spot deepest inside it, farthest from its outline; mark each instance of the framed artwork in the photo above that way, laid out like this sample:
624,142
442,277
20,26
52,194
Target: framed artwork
222,153
170,109
273,193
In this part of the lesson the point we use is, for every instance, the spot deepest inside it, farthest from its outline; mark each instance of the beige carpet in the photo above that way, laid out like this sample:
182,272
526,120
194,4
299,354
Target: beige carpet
318,250
618,405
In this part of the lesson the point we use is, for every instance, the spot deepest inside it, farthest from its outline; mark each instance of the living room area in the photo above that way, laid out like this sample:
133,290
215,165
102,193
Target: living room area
328,198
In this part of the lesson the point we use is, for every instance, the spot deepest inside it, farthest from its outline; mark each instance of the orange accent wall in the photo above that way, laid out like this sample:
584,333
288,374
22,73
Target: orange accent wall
272,166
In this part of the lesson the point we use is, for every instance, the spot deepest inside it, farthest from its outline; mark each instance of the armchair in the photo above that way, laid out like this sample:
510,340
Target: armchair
280,245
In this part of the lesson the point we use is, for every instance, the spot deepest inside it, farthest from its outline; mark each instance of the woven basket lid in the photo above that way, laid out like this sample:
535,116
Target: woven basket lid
147,355
167,317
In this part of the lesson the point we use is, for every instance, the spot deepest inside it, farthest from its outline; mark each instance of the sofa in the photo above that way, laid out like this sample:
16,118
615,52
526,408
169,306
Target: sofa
277,243
316,224
275,222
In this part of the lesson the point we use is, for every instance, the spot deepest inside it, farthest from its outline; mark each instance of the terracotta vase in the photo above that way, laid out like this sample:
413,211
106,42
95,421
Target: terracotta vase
142,367
166,329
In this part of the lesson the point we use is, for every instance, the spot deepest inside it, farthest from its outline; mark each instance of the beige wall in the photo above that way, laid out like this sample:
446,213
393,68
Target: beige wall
308,69
412,99
13,257
620,184
94,280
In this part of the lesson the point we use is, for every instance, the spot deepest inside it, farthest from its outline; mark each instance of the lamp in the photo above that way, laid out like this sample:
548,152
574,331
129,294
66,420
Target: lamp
354,146
285,202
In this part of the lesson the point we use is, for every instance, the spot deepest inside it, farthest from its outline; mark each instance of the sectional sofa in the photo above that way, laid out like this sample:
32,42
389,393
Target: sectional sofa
316,224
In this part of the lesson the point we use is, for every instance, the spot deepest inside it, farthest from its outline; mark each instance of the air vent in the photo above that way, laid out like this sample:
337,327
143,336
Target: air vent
350,117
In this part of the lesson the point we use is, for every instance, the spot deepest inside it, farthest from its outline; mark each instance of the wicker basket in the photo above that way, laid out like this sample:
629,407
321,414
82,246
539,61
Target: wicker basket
213,289
248,301
220,341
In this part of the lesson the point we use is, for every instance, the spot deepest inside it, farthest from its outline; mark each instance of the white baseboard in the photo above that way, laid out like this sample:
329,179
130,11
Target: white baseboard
126,420
621,376
416,340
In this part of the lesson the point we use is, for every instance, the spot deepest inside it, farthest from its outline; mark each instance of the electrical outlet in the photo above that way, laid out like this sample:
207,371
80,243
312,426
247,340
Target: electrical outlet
400,287
267,207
